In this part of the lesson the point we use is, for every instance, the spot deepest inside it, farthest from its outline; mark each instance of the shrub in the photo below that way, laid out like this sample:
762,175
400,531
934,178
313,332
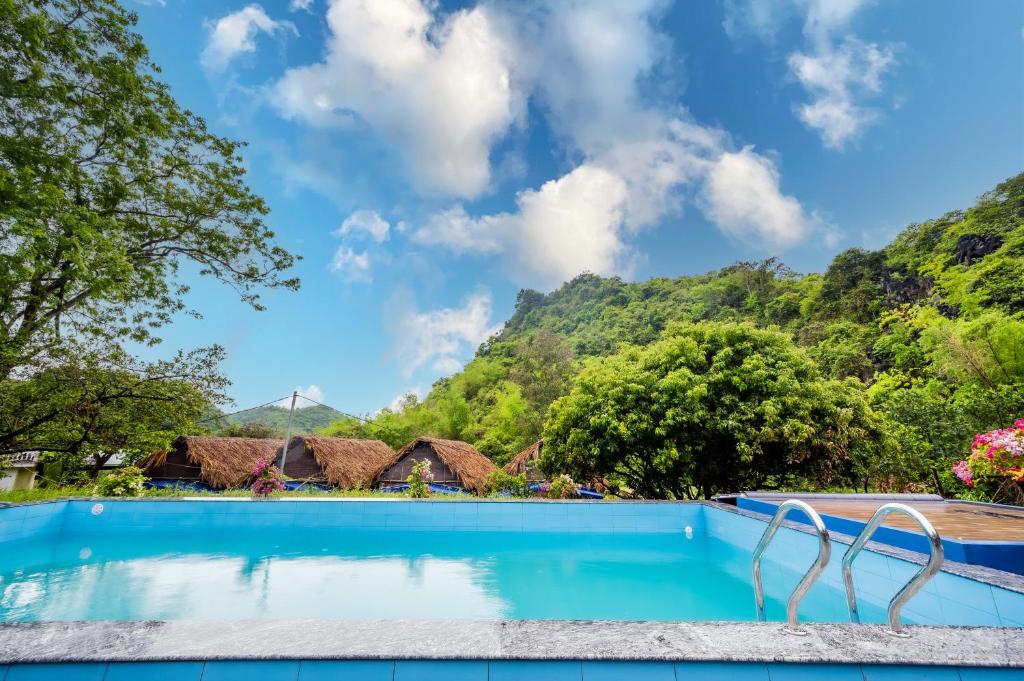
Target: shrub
563,487
501,482
419,479
268,479
996,463
124,482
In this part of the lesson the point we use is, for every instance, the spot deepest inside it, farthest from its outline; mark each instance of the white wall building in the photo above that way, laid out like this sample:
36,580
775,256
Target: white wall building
23,473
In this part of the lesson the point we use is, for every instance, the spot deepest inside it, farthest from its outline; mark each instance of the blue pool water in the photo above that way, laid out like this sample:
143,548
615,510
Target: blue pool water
439,560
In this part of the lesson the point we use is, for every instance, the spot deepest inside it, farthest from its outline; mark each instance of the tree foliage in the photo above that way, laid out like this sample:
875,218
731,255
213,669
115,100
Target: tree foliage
708,408
109,190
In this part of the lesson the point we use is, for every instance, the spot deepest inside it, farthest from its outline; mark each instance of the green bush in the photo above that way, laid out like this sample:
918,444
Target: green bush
499,481
563,487
124,482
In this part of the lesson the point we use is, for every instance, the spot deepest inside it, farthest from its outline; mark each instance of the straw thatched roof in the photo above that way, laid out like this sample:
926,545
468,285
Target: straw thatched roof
519,463
466,462
347,463
223,461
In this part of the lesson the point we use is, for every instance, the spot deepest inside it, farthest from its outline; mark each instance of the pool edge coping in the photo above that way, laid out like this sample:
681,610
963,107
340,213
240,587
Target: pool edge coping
183,640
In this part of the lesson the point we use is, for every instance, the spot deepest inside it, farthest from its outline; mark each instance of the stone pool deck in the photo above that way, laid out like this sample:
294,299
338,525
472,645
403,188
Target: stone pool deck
37,642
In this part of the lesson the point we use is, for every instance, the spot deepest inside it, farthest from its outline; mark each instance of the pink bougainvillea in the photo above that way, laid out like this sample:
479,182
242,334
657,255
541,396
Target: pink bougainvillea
267,479
997,454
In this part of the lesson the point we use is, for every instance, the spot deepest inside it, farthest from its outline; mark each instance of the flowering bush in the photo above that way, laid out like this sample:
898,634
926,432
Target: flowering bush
419,479
563,487
997,459
268,479
124,482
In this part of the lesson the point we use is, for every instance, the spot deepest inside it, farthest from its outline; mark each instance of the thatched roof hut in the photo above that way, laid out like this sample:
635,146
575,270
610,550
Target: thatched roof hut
341,462
453,462
526,462
220,462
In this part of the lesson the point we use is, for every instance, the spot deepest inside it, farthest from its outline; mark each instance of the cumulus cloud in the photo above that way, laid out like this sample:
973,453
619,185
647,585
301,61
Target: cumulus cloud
438,89
582,221
366,222
296,5
235,34
439,338
351,265
310,392
839,72
837,80
742,196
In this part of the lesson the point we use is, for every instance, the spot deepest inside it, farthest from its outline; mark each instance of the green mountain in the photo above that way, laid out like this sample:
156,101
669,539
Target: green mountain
306,420
930,325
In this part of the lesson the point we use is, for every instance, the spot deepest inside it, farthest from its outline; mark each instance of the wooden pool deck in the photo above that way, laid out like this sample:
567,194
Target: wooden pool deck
952,519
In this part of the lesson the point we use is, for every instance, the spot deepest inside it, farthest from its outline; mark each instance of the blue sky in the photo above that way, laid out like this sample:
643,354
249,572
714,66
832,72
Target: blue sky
430,159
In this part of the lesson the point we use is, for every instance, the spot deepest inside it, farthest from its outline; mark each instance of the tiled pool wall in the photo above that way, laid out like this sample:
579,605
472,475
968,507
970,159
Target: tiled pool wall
946,599
1000,555
506,670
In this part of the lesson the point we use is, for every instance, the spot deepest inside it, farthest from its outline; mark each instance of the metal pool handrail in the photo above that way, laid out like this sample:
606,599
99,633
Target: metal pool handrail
911,587
824,553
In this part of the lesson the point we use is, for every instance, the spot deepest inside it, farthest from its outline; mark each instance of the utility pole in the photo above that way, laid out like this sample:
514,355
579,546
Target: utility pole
288,431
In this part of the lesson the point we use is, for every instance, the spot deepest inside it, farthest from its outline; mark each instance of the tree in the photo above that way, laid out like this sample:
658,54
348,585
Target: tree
108,187
254,429
107,190
89,412
711,407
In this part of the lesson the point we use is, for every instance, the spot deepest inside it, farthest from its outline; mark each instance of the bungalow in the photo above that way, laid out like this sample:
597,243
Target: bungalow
453,463
339,462
220,462
526,462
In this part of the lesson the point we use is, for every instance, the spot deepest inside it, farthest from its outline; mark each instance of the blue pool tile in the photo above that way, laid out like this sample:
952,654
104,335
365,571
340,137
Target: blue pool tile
440,670
885,672
252,670
154,671
1009,605
815,672
535,670
346,670
629,671
990,674
721,671
92,671
977,595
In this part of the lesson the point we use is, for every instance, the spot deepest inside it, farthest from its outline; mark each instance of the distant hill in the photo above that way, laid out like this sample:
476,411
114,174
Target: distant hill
307,419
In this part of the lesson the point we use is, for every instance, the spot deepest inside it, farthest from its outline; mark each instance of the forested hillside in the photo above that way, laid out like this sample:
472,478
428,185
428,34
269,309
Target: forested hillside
928,333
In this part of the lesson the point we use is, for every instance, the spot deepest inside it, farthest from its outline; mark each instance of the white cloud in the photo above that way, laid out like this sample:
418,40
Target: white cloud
566,226
235,34
583,220
311,392
742,196
352,266
837,79
441,337
838,71
296,5
365,221
438,89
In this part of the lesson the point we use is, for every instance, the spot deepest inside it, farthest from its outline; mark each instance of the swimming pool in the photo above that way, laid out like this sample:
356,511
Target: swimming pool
373,561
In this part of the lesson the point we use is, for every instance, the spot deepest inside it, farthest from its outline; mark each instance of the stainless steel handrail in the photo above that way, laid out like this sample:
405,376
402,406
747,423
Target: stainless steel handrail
824,553
911,587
